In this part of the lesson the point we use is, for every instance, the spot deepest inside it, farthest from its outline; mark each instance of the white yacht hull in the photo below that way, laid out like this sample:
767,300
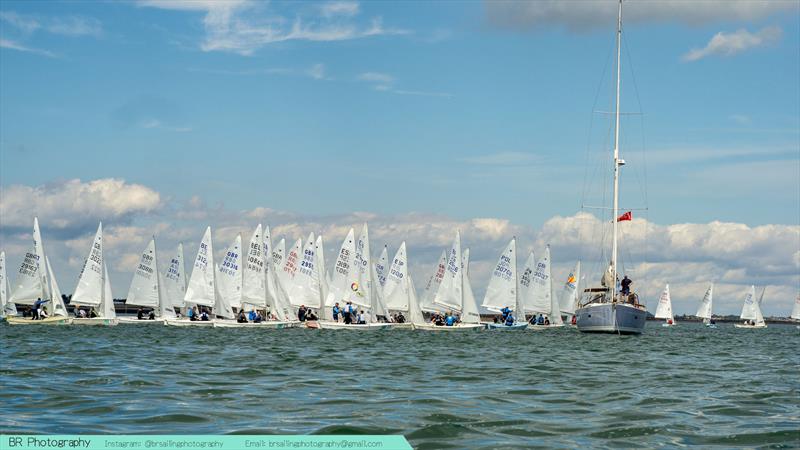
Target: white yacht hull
619,318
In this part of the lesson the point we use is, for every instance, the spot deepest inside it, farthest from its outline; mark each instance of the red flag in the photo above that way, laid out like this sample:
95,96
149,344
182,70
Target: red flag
626,216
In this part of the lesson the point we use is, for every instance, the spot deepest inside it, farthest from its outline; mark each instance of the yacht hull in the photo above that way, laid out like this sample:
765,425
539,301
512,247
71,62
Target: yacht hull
618,318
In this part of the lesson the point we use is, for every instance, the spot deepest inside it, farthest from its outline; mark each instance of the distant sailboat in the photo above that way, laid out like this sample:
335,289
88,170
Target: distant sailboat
6,307
36,282
704,310
147,289
570,295
751,311
502,291
175,281
426,302
94,287
455,294
664,308
201,291
277,298
229,280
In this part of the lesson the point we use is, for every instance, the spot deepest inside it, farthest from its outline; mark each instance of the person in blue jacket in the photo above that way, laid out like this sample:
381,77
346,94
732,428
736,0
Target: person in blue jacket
336,311
450,320
509,319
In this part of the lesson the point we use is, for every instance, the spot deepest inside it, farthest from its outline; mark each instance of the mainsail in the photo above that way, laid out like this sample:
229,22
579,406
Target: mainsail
536,286
144,290
502,289
664,308
89,291
449,294
569,293
426,303
6,307
750,308
254,288
704,310
363,288
229,275
395,292
174,286
202,286
31,283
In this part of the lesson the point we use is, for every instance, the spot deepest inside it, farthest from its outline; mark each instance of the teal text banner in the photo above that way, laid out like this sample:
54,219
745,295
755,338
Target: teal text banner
203,442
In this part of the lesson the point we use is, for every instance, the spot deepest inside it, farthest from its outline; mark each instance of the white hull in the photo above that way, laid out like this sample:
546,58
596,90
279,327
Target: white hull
741,325
668,324
95,321
135,321
325,325
454,328
58,320
267,324
189,323
545,327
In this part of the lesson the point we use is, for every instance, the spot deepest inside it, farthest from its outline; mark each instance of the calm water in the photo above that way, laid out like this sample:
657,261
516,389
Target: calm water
668,387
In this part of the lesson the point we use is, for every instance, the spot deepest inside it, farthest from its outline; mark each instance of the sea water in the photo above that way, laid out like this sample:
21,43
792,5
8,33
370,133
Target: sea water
686,385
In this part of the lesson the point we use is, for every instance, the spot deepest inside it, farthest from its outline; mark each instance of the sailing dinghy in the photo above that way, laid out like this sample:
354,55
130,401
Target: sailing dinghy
36,282
570,294
751,311
201,292
455,294
502,291
664,308
147,289
705,308
94,287
7,309
536,289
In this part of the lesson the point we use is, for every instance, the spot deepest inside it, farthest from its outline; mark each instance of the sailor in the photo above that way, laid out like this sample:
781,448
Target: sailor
35,309
336,311
42,312
574,320
509,319
450,320
192,314
251,316
505,311
626,285
301,313
400,318
258,317
540,320
140,314
310,315
81,313
204,315
547,321
92,313
360,318
240,318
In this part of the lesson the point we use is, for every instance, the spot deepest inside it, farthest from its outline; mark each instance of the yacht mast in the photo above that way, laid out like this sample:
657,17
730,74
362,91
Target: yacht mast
617,163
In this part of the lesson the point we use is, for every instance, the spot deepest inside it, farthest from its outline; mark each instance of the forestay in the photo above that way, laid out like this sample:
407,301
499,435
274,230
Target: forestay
502,289
202,287
89,291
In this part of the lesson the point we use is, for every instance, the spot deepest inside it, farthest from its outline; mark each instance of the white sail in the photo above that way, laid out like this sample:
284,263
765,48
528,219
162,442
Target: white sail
414,310
229,276
144,290
465,260
303,288
395,292
30,283
291,261
502,289
664,308
279,257
378,304
322,271
381,267
59,308
277,300
89,291
174,281
569,293
7,308
364,288
796,309
469,309
536,286
704,310
750,309
165,309
106,309
344,274
426,303
202,289
254,288
450,292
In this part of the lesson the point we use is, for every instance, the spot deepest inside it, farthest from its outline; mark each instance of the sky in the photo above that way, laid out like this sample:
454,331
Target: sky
163,117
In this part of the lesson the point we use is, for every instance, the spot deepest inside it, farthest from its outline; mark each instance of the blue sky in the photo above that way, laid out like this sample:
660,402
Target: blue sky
459,109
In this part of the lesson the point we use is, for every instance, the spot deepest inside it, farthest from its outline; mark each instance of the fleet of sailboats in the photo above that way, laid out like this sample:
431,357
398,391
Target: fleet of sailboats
247,280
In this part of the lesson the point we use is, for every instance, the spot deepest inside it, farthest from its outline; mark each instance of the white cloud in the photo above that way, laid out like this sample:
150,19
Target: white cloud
729,44
585,15
26,24
11,45
339,8
72,25
240,27
72,204
385,83
687,256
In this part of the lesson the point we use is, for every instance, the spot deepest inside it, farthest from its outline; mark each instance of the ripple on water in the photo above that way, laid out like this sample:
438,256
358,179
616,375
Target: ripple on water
677,387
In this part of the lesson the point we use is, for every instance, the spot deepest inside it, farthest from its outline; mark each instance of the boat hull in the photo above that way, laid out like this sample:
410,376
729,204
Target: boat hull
500,326
741,325
189,323
56,320
452,329
365,327
545,327
95,321
134,321
267,324
618,318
